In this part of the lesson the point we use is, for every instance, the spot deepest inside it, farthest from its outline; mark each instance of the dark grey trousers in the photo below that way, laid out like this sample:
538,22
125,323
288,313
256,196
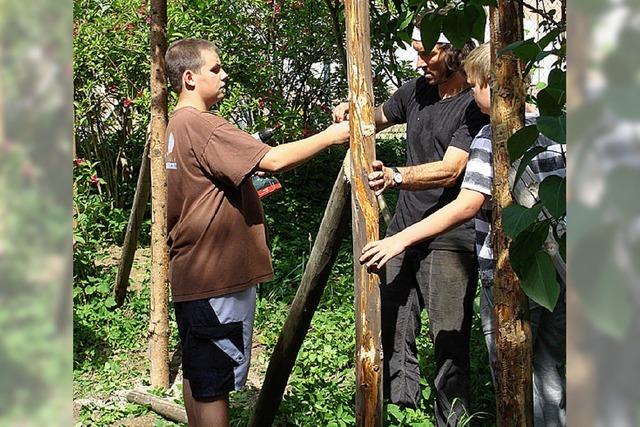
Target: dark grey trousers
444,283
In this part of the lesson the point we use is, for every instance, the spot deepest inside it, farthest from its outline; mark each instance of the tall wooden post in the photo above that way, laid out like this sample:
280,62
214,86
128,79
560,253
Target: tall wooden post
159,319
365,215
513,332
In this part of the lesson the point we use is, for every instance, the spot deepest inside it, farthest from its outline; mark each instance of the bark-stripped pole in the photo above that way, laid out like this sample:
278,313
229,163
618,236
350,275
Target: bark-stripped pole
139,206
159,316
513,332
365,214
321,260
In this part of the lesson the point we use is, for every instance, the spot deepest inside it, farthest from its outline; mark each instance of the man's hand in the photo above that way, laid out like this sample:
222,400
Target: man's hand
341,112
338,133
381,178
376,254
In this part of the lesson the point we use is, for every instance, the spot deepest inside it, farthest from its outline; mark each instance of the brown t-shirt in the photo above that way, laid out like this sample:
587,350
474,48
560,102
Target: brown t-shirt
217,236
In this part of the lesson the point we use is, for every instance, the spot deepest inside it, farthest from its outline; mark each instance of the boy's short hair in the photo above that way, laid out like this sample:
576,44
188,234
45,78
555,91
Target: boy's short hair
477,65
186,54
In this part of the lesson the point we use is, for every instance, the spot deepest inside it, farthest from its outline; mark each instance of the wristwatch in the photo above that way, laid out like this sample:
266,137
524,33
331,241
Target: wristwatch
397,177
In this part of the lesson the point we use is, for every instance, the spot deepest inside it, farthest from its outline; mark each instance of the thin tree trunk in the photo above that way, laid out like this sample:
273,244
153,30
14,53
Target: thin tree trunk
513,332
159,319
321,260
138,208
365,215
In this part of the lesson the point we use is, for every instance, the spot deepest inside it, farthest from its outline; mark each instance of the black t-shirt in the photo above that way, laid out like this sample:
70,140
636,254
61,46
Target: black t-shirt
433,125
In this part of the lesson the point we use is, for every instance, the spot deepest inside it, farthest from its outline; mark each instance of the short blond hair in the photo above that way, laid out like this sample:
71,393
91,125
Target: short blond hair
477,65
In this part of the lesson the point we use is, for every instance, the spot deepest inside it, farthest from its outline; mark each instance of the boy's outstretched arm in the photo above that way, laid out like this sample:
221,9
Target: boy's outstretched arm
462,209
287,156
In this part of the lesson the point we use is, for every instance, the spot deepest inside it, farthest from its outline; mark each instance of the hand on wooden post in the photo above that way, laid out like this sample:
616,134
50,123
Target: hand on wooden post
381,178
341,112
376,254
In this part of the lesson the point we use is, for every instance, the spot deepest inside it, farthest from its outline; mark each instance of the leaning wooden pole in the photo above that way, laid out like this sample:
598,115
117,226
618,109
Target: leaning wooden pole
365,215
159,316
513,332
138,208
323,255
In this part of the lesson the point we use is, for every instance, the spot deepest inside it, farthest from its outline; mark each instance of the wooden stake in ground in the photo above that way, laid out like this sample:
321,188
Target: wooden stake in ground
159,316
513,332
365,215
321,260
130,243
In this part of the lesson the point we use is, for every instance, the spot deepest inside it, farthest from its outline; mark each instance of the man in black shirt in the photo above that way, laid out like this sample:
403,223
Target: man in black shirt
439,275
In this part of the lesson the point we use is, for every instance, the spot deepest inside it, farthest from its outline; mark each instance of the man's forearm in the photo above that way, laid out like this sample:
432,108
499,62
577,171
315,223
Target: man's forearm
429,175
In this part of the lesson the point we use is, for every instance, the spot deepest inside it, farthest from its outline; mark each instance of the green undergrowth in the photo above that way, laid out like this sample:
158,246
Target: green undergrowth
110,344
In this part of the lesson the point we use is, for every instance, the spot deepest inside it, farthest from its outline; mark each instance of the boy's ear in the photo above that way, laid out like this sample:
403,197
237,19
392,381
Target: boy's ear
188,79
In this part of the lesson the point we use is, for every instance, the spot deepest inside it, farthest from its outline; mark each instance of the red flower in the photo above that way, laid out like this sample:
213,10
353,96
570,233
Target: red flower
113,88
276,9
130,27
148,20
127,102
78,161
261,103
94,180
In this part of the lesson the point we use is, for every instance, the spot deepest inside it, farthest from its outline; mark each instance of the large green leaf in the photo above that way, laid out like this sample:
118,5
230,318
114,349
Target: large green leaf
520,141
539,281
453,28
552,193
477,30
430,29
550,102
554,128
516,218
525,246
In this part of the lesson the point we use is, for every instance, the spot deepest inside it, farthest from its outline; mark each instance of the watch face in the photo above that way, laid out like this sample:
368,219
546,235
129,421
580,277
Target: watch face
397,178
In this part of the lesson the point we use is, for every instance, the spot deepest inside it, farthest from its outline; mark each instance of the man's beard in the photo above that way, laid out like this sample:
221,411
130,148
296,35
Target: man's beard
434,79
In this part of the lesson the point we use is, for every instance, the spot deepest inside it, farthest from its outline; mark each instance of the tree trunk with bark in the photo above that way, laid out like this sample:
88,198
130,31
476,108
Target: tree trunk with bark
159,319
365,215
513,332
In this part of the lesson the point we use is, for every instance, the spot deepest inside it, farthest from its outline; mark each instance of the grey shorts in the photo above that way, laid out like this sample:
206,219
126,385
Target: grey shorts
215,335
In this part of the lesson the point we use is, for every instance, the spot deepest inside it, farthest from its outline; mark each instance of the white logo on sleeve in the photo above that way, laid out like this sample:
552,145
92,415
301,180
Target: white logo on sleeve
170,161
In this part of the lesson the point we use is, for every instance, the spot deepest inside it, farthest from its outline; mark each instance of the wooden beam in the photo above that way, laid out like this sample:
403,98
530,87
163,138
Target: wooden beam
513,333
138,208
323,255
164,407
365,214
159,315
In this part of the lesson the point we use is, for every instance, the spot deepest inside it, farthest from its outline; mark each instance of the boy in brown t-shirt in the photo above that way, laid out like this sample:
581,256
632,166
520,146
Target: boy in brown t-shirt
217,240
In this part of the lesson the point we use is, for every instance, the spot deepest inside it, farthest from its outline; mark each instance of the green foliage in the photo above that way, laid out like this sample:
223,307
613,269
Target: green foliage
516,218
459,21
521,141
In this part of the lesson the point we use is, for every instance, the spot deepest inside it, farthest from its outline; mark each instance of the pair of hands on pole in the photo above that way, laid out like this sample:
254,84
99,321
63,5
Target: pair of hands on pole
382,177
375,254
